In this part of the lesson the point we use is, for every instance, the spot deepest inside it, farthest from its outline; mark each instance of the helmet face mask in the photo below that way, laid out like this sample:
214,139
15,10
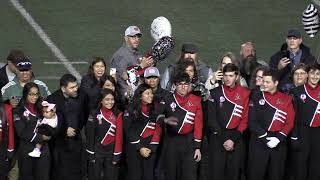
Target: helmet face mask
160,27
162,48
160,30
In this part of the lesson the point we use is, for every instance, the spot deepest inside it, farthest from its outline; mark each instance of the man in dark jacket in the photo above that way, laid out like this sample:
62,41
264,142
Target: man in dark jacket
291,53
8,72
72,105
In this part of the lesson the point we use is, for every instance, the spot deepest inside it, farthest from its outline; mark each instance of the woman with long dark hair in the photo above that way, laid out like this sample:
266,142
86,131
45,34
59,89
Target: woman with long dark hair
257,78
26,120
215,79
108,82
104,138
142,135
90,83
6,138
188,66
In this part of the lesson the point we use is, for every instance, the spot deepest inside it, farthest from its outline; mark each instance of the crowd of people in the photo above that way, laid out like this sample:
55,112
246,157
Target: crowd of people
249,119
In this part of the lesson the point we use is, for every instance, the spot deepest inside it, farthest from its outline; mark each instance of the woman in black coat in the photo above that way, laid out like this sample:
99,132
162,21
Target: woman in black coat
142,135
90,83
104,138
26,119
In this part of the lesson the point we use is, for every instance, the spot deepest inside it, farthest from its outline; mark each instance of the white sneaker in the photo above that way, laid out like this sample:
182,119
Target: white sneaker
35,153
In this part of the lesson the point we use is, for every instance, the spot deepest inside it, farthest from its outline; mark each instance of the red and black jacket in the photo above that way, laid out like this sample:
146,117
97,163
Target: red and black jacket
228,111
271,114
6,129
307,107
188,111
105,134
141,131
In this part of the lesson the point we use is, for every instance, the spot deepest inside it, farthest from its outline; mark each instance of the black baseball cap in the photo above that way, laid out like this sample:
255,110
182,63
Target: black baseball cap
294,32
188,47
23,64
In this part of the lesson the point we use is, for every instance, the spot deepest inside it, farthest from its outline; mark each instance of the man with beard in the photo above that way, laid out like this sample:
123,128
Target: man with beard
248,61
128,55
72,105
248,66
291,53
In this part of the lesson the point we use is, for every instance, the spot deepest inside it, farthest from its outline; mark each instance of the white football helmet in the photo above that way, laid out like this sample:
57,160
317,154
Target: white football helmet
160,27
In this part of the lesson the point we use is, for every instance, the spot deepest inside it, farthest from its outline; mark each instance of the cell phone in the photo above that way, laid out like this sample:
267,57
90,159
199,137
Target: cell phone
285,54
113,71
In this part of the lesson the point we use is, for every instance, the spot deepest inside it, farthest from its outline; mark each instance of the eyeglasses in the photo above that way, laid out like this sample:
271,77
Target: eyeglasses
34,94
299,73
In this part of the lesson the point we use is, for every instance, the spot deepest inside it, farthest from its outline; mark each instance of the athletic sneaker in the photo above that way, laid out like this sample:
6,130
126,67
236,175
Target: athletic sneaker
35,153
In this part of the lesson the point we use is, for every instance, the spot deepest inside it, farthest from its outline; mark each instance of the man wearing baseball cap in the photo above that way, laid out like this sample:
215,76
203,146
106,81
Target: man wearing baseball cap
128,55
292,52
12,91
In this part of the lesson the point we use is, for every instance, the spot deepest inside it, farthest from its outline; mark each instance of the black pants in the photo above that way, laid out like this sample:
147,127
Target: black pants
178,162
69,161
306,156
203,168
34,168
223,165
104,169
4,167
264,162
139,168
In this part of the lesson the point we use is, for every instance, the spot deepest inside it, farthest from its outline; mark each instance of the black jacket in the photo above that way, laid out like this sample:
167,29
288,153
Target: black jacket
306,103
73,112
25,124
161,94
285,73
228,112
3,76
141,131
91,87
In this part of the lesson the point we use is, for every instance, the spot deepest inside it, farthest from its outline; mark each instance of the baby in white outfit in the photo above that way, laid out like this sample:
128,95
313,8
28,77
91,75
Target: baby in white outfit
46,125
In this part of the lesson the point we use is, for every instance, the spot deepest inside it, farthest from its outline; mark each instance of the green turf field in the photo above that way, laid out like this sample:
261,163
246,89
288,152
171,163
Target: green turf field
82,28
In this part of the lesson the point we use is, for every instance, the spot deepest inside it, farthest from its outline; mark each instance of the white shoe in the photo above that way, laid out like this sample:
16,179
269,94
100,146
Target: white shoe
35,153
